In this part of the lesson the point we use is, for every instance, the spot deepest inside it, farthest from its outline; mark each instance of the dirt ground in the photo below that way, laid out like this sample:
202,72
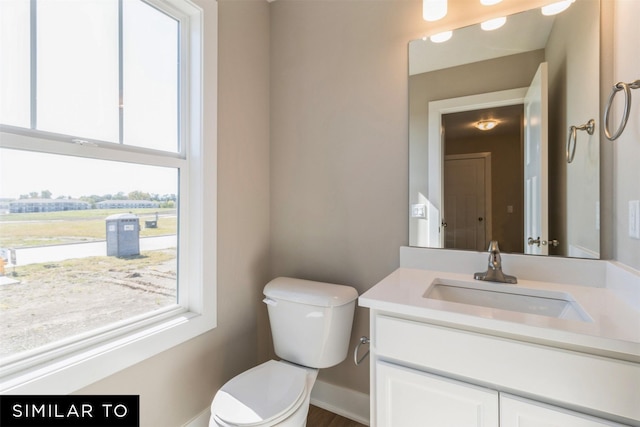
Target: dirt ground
62,299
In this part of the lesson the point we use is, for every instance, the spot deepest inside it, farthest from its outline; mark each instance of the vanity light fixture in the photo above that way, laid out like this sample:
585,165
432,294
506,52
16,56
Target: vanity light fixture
489,2
486,124
432,10
441,37
557,7
493,24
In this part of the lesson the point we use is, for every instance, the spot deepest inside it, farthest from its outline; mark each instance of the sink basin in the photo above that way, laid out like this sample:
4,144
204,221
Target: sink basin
560,305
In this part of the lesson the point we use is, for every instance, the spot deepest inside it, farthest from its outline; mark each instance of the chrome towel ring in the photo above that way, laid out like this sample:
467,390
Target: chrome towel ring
573,135
620,86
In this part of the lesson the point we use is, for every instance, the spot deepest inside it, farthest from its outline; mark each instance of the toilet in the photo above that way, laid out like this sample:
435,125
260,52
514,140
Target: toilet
310,326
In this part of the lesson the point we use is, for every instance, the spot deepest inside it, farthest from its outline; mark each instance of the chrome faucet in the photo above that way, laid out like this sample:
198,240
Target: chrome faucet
494,272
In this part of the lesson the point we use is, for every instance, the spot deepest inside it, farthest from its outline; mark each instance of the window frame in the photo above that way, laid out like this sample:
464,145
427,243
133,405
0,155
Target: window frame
68,365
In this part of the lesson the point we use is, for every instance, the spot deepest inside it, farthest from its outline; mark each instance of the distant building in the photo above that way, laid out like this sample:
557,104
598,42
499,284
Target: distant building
47,205
126,204
4,205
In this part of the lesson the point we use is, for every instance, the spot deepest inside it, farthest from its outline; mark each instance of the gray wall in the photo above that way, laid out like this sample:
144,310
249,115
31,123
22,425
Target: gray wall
339,155
573,66
626,149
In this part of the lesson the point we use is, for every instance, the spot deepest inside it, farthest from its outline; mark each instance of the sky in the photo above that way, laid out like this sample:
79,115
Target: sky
23,172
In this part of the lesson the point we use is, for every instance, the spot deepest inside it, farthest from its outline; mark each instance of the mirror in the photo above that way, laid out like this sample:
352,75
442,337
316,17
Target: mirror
537,78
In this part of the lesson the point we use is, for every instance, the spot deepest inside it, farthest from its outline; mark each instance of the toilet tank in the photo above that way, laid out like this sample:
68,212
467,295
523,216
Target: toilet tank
310,321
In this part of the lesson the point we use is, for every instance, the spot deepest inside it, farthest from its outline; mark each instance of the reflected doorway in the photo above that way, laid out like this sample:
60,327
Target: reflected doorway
502,217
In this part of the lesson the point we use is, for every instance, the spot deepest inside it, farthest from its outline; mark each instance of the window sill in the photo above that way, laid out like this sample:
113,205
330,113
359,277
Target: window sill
75,369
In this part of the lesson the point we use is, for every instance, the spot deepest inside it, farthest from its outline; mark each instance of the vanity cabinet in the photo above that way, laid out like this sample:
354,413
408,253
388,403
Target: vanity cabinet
409,397
433,375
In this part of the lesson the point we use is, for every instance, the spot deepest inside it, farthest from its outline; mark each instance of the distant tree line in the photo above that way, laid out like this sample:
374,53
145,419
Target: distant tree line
165,200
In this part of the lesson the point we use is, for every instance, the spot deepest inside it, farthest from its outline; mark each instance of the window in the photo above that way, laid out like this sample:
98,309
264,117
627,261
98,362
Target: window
102,192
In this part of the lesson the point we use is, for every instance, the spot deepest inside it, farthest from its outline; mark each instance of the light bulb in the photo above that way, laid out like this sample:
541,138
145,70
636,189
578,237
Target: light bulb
557,7
441,37
432,10
493,24
486,124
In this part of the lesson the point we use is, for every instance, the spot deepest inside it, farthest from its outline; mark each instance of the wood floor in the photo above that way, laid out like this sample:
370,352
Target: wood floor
321,418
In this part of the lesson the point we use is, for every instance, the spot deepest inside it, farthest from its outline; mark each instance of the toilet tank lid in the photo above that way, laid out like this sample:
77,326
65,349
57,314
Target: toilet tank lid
309,292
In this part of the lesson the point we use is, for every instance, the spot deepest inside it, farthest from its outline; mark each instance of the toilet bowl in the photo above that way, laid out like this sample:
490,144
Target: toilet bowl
275,393
311,326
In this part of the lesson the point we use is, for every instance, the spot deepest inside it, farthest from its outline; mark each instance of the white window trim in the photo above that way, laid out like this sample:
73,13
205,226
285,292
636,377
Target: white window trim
68,368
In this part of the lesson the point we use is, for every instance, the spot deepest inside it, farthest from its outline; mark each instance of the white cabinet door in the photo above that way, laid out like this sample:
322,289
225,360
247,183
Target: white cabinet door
519,412
410,398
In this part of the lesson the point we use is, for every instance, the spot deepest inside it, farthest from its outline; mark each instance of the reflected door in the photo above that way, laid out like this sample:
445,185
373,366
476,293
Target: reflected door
467,193
536,221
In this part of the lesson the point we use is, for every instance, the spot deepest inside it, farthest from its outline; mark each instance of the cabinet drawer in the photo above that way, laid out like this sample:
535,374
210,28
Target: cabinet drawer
598,385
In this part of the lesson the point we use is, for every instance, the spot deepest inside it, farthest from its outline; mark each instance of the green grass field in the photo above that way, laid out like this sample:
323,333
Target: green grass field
55,228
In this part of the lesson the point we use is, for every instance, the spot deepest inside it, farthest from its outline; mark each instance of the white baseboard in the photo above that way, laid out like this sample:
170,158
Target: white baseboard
200,420
342,401
339,400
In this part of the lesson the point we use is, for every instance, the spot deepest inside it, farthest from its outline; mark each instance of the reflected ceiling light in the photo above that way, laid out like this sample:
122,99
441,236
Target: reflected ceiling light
486,124
557,7
489,2
441,37
432,10
493,24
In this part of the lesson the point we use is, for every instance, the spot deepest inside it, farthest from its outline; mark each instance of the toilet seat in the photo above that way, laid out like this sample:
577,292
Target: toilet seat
266,394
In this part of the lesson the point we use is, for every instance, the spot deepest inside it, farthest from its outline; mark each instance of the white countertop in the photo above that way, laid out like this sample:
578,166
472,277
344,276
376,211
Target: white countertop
614,331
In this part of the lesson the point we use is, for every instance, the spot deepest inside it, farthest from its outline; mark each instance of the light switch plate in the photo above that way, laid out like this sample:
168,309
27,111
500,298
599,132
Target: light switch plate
418,210
634,219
